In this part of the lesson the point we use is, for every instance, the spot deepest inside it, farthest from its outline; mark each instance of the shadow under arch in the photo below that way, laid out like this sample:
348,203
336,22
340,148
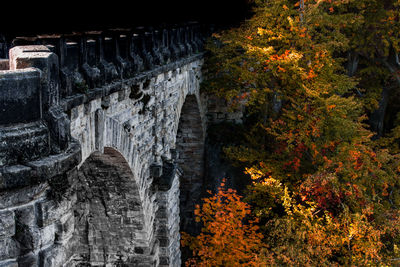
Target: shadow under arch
109,220
190,158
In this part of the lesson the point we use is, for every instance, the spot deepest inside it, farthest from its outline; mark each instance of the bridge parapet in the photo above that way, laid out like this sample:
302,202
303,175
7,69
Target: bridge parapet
92,59
47,75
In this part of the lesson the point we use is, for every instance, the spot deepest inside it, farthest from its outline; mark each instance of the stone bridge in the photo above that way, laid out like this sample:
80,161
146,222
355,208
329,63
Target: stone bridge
101,137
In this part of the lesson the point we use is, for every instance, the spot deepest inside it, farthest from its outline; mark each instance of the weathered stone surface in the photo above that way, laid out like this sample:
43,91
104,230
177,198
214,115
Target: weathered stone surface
52,165
115,212
15,198
47,235
30,259
108,214
4,64
29,237
190,147
40,57
65,228
27,232
7,224
19,96
49,210
26,215
20,55
8,263
15,176
23,142
59,128
8,248
53,256
218,111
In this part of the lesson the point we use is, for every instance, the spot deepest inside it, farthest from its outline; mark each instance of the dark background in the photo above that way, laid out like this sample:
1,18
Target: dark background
33,17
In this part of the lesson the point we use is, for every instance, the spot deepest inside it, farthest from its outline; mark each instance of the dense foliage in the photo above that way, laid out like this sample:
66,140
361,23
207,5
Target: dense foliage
226,239
319,79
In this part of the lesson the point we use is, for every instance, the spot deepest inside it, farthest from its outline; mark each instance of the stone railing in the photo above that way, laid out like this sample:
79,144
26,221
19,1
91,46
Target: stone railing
46,75
91,59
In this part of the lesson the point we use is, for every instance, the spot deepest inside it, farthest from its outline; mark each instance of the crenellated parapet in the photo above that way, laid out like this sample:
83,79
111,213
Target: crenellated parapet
92,59
35,141
44,73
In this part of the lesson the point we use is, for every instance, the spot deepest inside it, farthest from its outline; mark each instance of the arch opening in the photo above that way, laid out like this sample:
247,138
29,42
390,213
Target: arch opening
190,158
109,223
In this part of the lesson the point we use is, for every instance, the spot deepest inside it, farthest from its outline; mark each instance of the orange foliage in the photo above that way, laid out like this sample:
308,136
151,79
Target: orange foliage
228,237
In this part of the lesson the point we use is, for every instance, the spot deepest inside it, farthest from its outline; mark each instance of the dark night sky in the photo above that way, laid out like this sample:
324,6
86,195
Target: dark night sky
74,15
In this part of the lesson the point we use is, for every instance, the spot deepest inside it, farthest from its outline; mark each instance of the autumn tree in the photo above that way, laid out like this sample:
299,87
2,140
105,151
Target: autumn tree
228,237
314,76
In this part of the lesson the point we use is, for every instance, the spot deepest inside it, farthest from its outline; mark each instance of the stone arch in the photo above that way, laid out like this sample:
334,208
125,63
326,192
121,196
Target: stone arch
109,219
190,158
96,127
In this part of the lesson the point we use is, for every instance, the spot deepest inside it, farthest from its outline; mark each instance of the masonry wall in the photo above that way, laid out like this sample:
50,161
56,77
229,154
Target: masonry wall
144,132
108,214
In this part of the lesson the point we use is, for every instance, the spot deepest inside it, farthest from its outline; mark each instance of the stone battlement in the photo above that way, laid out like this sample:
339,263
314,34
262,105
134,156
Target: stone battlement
86,61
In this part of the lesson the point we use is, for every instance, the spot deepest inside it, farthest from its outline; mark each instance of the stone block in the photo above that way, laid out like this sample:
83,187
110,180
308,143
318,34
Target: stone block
30,259
49,211
53,165
164,242
20,96
15,176
47,235
53,256
164,261
59,128
156,170
40,57
7,224
23,142
9,248
28,237
21,196
25,215
4,64
65,227
8,263
20,55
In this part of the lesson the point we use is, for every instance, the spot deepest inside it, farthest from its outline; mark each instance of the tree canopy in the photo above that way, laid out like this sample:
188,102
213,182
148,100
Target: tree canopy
319,79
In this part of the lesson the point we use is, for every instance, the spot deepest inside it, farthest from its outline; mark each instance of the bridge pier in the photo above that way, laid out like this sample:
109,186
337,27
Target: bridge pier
190,156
